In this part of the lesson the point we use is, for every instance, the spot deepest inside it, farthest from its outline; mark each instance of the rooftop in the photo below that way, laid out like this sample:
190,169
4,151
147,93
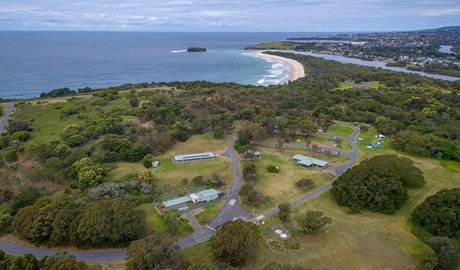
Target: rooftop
194,156
308,161
176,201
208,193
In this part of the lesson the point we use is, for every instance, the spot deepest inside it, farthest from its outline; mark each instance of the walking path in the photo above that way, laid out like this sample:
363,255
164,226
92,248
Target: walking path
9,109
230,211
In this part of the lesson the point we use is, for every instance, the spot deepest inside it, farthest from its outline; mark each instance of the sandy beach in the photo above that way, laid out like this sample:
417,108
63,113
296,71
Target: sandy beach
297,70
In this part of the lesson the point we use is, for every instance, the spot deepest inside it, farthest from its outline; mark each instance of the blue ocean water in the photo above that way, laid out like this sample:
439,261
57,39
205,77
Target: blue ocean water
36,62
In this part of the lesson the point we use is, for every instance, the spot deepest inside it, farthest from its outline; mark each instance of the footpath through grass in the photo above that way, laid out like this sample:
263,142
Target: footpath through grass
358,241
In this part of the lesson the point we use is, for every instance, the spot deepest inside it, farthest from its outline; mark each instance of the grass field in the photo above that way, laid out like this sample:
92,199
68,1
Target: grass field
343,86
171,174
281,186
209,212
451,165
340,131
158,223
361,241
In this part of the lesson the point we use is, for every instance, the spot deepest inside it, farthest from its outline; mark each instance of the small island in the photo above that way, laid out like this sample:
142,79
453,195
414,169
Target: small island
196,49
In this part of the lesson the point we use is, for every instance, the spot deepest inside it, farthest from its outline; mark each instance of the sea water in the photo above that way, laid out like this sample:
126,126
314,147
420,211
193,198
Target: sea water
40,61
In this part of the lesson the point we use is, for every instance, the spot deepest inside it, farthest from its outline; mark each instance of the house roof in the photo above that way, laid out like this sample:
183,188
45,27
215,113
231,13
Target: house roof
208,193
193,156
176,201
308,161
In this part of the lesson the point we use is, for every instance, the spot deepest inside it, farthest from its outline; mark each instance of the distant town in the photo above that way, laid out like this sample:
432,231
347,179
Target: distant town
433,51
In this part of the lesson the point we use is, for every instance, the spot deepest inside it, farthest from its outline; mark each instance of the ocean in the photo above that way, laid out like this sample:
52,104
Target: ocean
40,61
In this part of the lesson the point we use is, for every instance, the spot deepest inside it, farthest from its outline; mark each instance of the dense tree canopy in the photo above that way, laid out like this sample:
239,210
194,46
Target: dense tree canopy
378,184
235,241
154,252
110,223
448,256
439,214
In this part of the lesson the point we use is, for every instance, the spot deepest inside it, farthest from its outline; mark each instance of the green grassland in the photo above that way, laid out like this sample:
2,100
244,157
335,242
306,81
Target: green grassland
171,174
344,86
276,46
340,131
451,165
281,186
209,212
360,241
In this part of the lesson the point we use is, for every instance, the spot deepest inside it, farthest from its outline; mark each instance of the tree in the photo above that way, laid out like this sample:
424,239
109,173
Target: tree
25,262
378,184
153,252
27,196
61,261
313,222
235,241
285,211
5,261
448,256
280,145
249,172
339,142
218,132
86,174
439,214
21,135
307,128
134,102
427,260
147,160
110,223
304,184
17,126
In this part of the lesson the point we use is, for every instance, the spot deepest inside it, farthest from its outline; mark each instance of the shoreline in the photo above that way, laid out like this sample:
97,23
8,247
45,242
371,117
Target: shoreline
297,69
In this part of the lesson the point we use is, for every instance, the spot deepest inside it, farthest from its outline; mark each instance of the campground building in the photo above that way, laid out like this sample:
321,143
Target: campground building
193,157
306,162
202,196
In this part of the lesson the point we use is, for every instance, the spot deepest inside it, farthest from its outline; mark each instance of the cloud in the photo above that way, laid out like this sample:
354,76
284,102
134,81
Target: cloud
237,15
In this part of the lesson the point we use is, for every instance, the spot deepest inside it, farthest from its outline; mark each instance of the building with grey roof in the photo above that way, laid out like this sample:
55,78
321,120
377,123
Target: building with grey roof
193,157
305,161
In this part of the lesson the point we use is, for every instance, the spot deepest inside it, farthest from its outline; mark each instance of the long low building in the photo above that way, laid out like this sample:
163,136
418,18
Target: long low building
205,195
202,196
176,203
194,157
305,161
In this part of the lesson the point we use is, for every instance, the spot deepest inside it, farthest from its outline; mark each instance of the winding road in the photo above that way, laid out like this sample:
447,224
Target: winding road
230,211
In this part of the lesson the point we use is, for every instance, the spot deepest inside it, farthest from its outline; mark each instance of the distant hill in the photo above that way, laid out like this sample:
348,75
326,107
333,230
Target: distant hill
446,29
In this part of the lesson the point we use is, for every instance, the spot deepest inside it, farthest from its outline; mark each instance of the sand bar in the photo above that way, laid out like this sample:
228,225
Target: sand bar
297,70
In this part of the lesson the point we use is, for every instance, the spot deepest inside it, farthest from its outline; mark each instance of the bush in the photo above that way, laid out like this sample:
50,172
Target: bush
273,169
439,214
147,160
21,135
17,126
304,184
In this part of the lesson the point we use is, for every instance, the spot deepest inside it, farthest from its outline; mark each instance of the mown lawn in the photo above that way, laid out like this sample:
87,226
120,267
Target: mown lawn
281,186
209,212
171,174
359,241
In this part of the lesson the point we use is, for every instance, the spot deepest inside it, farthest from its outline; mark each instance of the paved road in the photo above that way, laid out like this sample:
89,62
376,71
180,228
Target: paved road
231,210
9,108
339,170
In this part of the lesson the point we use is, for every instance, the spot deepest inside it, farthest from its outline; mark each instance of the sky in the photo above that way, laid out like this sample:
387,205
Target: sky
228,15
